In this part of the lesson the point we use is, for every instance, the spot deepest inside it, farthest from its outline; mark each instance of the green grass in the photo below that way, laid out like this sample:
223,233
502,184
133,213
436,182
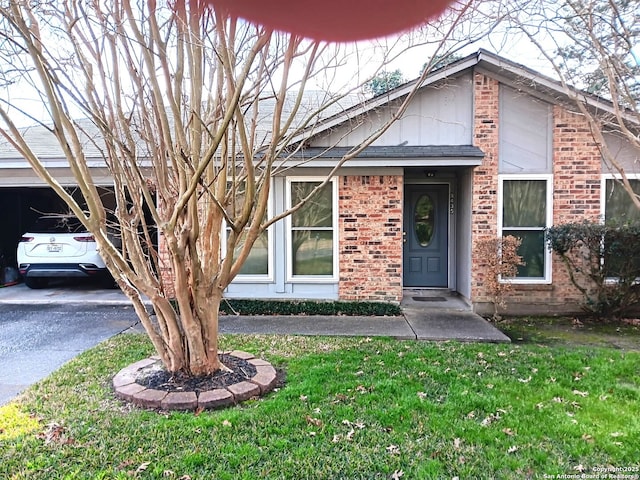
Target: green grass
351,408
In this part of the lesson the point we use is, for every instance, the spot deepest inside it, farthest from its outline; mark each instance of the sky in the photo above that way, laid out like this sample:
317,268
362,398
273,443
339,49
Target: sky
358,68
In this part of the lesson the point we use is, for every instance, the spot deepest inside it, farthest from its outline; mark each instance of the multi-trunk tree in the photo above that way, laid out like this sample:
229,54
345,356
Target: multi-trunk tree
193,113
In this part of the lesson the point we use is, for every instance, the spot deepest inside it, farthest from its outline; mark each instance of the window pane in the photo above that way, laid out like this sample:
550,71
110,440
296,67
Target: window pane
532,251
257,263
524,203
424,220
318,212
619,207
312,252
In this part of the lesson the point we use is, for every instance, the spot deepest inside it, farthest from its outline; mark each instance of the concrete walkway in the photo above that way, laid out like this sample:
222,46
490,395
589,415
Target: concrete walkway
428,315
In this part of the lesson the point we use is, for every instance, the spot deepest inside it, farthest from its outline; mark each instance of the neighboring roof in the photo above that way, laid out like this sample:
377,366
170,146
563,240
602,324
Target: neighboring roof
390,156
315,105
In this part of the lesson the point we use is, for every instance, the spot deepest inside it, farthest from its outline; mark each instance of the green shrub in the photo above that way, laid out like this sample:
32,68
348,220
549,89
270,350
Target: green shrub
603,262
300,307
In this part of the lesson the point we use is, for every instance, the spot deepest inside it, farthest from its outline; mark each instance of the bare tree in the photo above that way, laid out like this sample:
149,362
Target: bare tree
592,46
176,99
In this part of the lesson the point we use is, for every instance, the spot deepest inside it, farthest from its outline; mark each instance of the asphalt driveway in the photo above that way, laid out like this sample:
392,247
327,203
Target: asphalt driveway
35,340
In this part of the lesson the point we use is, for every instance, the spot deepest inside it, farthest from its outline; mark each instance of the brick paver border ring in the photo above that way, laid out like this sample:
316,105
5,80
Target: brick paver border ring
127,389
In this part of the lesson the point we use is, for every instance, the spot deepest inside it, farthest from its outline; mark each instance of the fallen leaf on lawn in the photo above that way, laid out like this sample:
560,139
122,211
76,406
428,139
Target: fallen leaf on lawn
359,425
313,421
540,406
471,414
185,477
226,423
490,419
508,431
502,354
576,405
512,449
397,474
303,398
490,386
617,444
422,395
142,467
359,373
336,438
602,398
457,443
617,434
422,374
579,468
346,422
168,473
393,450
558,399
55,433
582,394
350,434
312,434
552,379
525,380
587,437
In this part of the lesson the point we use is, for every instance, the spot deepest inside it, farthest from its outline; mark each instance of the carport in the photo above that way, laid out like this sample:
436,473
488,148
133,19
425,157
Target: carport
22,205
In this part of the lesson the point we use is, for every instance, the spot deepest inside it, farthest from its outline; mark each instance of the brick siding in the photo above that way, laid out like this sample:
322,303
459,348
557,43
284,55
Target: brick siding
370,251
576,196
485,177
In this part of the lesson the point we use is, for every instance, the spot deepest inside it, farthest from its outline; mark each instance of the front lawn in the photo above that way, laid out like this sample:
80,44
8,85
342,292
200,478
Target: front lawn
351,408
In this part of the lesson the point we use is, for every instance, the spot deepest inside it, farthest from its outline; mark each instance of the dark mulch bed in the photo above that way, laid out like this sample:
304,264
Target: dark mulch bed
156,377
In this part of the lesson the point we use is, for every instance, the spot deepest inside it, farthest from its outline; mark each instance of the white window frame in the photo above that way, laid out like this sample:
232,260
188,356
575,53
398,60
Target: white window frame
548,218
603,206
289,233
603,189
246,278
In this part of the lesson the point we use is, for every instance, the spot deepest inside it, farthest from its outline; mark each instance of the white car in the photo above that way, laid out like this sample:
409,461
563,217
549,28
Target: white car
59,246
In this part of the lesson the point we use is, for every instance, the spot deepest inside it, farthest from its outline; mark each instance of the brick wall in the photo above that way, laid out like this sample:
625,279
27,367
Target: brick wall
576,196
485,177
370,252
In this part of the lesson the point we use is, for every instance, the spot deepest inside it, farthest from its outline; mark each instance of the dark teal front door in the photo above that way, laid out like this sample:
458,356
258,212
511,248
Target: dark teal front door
426,236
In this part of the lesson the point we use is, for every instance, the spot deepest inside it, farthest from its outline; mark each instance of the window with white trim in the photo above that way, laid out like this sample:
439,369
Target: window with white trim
617,204
312,234
258,264
618,209
526,212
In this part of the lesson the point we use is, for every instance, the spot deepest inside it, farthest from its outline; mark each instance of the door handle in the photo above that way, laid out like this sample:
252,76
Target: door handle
404,237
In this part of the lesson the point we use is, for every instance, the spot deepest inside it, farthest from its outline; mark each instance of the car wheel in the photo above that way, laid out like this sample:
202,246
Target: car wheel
37,282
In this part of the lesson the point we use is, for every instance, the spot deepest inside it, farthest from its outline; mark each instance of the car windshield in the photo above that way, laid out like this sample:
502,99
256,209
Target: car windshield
58,224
